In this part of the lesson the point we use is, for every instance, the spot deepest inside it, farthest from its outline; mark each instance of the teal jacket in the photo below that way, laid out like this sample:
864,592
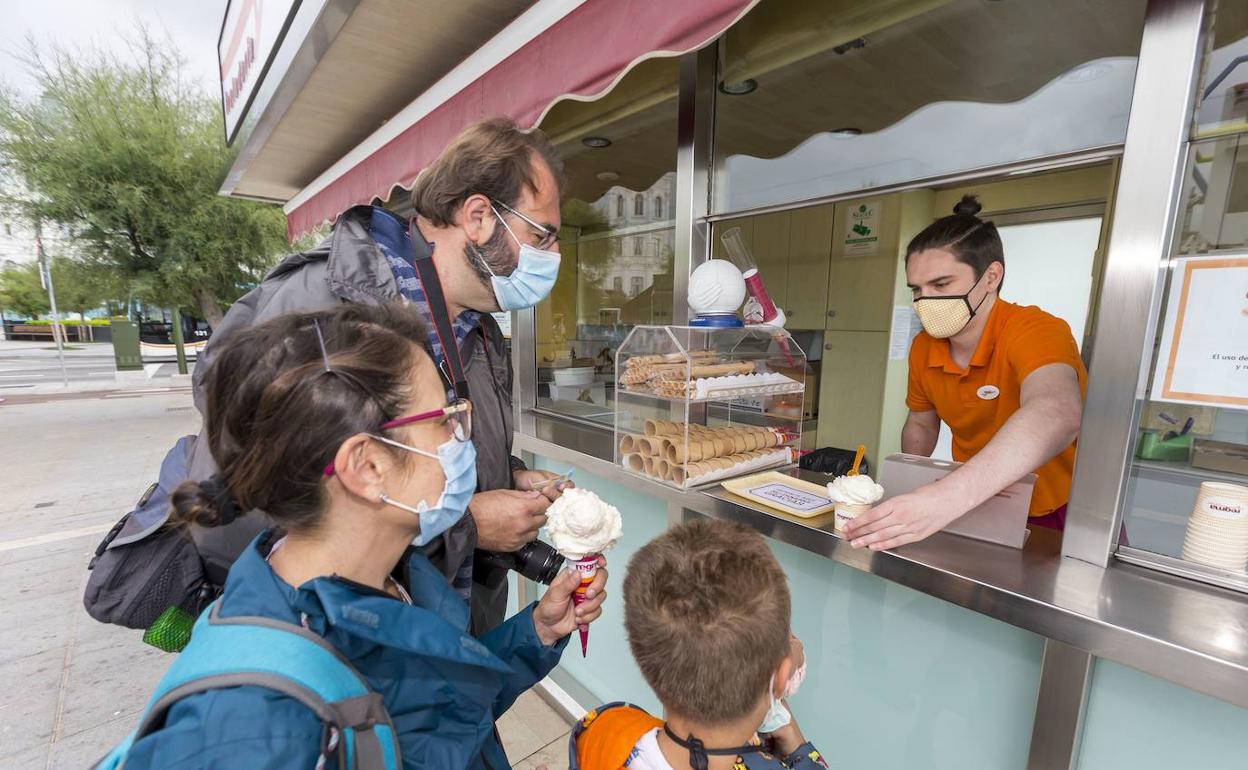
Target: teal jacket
442,688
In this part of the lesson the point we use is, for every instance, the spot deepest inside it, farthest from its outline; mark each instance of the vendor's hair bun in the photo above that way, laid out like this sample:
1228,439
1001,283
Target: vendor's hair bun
968,206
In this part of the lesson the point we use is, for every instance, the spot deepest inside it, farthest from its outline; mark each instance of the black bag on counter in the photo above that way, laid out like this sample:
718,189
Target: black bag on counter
832,461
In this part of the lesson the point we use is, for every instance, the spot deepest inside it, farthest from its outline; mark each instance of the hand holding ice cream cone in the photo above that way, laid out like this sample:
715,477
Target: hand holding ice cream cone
581,526
561,609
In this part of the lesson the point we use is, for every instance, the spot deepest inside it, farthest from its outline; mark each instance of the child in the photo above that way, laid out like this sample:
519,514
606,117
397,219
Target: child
706,608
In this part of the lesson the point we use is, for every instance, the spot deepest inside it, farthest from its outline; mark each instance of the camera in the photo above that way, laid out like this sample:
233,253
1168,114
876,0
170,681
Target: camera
536,561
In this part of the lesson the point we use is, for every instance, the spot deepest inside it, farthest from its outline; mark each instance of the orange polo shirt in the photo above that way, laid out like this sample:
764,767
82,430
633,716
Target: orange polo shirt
977,401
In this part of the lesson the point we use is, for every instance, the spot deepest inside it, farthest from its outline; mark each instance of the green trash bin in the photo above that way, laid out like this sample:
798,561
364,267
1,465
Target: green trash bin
126,351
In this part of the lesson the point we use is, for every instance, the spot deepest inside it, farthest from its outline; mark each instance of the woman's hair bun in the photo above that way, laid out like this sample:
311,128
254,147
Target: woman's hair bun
968,206
205,503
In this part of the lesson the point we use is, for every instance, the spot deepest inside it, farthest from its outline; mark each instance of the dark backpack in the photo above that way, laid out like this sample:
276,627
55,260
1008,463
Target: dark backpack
143,568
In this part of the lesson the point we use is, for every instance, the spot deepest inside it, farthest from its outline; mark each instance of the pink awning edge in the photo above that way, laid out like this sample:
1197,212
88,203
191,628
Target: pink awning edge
582,55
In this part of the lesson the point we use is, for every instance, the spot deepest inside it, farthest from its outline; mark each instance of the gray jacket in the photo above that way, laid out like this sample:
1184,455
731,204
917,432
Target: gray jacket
349,267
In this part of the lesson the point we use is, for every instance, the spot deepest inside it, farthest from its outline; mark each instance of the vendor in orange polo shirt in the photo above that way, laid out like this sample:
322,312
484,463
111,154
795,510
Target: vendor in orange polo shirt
1006,379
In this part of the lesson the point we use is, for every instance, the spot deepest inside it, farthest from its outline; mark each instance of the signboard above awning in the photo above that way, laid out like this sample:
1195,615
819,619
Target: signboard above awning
250,36
580,56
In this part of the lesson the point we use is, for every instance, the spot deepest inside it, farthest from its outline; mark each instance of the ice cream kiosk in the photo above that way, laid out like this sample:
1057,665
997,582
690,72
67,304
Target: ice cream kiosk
742,178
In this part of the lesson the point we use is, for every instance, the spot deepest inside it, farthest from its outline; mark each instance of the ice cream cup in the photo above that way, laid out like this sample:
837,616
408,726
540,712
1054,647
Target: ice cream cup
1226,502
587,568
847,512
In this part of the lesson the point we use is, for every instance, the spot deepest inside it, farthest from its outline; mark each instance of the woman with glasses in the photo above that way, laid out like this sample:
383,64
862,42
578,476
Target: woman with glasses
337,425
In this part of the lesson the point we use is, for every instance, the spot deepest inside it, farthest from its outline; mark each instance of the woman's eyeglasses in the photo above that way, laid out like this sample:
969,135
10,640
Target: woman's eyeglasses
457,414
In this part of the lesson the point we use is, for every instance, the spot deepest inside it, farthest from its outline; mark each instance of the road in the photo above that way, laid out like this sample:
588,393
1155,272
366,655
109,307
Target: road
26,365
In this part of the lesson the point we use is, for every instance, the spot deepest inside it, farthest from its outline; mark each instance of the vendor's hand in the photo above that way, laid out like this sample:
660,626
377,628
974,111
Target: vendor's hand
526,479
787,739
506,519
556,616
904,519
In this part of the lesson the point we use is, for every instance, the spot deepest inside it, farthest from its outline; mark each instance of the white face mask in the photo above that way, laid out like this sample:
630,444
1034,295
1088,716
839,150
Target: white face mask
778,715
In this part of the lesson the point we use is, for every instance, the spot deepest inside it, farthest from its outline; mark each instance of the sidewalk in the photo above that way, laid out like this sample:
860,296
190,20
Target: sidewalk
73,687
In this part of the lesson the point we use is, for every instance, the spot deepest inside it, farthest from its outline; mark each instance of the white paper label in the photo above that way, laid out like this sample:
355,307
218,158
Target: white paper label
790,498
1204,352
1224,508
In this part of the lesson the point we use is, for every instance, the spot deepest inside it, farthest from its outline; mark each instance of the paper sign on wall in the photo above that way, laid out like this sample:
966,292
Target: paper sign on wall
1204,348
862,229
906,327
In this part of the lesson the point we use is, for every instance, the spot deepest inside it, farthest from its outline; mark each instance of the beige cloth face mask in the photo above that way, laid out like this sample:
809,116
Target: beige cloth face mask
943,317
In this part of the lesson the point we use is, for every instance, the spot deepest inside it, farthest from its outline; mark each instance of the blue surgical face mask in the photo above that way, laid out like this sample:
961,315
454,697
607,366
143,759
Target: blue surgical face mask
459,464
530,282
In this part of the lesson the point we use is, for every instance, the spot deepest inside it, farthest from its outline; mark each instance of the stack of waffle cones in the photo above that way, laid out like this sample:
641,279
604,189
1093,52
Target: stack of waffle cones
670,451
670,375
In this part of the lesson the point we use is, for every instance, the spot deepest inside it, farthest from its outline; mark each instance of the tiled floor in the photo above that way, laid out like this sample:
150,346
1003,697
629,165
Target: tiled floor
534,735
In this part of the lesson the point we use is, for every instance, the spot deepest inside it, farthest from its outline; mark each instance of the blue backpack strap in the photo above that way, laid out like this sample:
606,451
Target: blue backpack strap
261,652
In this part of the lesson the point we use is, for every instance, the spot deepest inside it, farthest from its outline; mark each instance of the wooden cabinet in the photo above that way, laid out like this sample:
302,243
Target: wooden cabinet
851,390
747,234
771,250
792,251
810,247
860,286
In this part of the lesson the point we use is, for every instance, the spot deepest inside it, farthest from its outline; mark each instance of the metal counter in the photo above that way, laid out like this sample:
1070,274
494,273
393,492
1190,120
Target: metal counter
1188,633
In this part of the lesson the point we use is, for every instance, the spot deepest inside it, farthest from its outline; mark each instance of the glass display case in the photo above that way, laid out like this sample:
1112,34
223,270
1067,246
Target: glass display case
698,405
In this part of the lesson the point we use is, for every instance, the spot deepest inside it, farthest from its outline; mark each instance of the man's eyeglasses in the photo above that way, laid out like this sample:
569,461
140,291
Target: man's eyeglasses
458,415
550,236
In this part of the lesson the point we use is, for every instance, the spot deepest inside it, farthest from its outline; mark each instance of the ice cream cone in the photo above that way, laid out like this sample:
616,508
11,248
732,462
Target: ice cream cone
647,463
586,567
628,443
634,462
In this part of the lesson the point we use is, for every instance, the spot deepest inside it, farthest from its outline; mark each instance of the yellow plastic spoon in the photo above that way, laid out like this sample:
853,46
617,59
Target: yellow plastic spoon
862,450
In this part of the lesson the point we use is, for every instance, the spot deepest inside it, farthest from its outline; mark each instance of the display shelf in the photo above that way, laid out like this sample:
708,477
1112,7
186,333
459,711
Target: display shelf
677,416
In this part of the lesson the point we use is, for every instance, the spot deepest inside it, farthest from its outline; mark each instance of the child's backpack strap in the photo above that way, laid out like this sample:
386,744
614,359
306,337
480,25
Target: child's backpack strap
260,652
605,737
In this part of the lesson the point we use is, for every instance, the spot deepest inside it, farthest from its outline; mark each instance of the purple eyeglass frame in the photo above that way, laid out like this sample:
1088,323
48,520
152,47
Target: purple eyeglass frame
460,405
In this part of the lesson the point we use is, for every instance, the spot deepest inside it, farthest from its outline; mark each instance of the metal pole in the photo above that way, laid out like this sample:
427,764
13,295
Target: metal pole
45,274
179,344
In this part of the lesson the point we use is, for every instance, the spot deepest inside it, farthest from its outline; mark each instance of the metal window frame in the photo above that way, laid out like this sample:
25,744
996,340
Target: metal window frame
1149,186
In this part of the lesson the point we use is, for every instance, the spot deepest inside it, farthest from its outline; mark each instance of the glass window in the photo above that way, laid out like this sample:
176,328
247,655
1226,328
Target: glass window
1187,493
608,280
820,98
1223,95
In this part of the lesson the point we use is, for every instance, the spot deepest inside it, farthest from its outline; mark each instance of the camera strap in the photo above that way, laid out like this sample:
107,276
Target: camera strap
422,261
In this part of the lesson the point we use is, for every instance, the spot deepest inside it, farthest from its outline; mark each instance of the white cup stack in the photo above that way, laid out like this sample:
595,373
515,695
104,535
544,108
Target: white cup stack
1217,532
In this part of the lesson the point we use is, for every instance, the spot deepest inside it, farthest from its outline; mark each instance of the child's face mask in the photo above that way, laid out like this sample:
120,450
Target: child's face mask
778,716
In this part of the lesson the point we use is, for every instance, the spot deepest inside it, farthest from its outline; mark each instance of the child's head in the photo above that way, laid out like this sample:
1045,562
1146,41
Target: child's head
706,607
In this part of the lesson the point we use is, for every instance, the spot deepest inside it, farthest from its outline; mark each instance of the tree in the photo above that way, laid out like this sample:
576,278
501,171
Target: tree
83,286
21,291
129,157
